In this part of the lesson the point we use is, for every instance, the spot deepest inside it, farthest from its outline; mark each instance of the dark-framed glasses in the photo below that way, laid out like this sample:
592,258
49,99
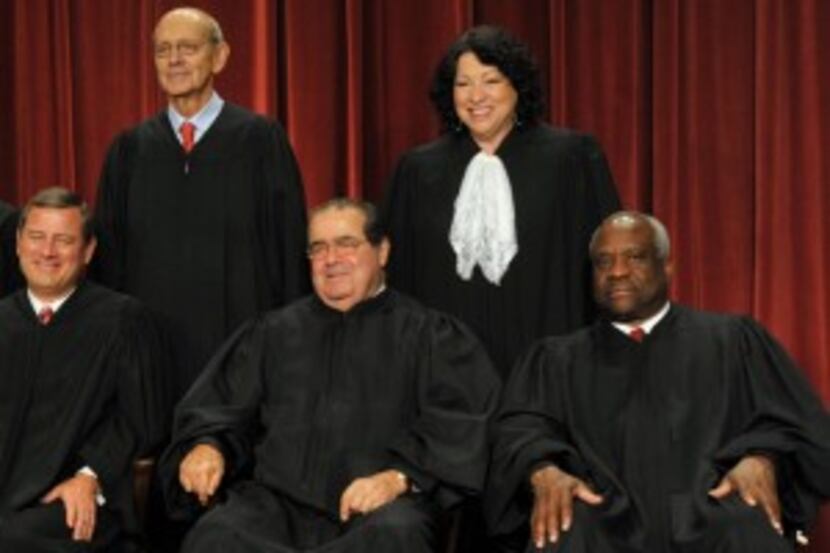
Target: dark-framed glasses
184,48
343,245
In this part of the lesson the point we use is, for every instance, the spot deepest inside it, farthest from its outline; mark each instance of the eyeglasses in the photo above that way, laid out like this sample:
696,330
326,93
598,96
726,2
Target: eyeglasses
184,48
344,245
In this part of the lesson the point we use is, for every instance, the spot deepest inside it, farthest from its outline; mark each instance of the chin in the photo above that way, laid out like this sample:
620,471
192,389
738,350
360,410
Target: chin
618,314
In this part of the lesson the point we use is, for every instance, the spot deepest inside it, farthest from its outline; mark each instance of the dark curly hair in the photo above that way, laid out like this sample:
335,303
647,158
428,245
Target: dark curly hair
492,46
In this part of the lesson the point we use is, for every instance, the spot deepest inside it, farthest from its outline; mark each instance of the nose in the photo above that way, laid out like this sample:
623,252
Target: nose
331,255
619,268
476,92
48,248
175,55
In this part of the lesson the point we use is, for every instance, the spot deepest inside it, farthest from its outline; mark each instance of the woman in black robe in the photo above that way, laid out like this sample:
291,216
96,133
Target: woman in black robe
491,221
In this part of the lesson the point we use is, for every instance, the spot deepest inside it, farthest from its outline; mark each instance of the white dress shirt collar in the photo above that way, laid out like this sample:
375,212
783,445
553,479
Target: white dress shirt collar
647,325
203,119
54,305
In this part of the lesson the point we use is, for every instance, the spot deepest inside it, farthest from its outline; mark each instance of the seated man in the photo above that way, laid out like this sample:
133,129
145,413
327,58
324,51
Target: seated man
73,364
659,429
343,422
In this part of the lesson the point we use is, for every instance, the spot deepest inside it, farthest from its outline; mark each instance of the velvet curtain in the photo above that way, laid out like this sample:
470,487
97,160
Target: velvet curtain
715,115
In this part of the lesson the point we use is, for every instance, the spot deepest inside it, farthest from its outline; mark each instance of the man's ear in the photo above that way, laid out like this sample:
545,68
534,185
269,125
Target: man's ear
383,251
668,268
89,250
220,57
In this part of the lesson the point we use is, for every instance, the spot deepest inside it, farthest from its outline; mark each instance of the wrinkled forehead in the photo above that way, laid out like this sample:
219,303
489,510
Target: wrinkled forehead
336,222
624,233
181,25
63,220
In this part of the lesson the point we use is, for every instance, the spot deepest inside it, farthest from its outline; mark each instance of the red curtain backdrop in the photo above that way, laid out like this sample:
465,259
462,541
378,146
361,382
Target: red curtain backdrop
715,115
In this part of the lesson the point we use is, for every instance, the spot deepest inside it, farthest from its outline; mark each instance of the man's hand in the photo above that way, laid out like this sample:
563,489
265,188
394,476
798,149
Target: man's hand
364,495
78,496
753,478
553,491
201,471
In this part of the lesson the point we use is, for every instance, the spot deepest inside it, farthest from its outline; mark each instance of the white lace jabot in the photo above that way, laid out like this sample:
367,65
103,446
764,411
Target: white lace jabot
483,230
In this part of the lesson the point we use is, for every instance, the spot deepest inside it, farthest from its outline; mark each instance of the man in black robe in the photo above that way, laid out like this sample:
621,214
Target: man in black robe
344,422
77,361
200,209
659,429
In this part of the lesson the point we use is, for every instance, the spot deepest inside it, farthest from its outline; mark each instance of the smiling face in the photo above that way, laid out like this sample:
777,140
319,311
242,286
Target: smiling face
187,57
630,280
345,267
52,250
485,101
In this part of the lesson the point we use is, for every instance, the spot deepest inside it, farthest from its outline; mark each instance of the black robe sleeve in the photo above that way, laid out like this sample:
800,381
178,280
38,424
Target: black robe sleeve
109,263
445,450
776,412
283,218
139,409
531,430
220,409
395,217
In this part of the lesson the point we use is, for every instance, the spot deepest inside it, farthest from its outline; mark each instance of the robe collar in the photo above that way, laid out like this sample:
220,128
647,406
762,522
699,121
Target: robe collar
77,297
608,335
647,325
383,296
514,139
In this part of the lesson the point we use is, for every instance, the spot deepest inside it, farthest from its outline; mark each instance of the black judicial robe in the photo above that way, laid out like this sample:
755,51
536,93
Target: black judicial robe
205,240
82,391
654,426
562,189
306,399
10,278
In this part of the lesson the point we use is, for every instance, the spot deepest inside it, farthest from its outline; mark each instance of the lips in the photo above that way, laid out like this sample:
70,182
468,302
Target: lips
479,113
618,292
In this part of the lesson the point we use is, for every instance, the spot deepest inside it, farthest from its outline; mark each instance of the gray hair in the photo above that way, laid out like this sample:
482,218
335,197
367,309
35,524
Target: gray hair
661,242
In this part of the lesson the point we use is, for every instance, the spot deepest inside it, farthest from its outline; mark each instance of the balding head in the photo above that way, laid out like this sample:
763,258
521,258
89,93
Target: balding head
208,24
629,252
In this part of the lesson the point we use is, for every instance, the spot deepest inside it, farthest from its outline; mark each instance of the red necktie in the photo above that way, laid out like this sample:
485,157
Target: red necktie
188,132
45,315
637,334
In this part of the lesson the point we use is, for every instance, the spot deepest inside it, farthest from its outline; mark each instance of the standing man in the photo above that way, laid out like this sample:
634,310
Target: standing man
78,397
200,209
345,421
660,428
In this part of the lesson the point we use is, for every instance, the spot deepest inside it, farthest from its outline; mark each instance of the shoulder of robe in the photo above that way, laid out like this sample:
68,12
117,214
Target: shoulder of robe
429,150
712,320
560,347
565,140
295,312
238,115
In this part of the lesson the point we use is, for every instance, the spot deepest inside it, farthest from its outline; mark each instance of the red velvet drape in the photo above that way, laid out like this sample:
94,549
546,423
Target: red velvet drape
715,115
